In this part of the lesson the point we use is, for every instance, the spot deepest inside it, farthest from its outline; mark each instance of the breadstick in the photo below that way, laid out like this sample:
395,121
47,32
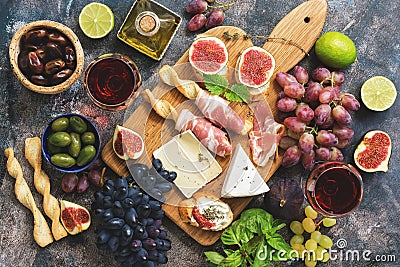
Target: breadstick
188,88
161,107
41,231
42,184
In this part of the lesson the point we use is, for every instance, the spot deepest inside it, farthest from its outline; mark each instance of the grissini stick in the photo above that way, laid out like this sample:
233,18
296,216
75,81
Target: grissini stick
41,231
42,184
210,136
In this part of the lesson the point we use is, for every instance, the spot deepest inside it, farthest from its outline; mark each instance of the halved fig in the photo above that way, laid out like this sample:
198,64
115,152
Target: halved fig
255,67
373,153
208,55
74,217
127,144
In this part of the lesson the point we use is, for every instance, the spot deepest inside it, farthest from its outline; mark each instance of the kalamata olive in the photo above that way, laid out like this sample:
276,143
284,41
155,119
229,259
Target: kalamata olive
23,62
70,57
57,38
54,66
53,50
39,80
35,64
61,76
36,37
41,53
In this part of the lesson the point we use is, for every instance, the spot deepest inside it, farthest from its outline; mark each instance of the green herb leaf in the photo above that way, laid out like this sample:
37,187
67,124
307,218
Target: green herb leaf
258,221
238,93
214,257
261,254
277,242
215,84
251,246
234,260
236,234
276,228
229,251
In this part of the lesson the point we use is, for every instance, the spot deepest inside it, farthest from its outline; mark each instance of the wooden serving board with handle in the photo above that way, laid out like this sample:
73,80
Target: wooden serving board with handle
290,40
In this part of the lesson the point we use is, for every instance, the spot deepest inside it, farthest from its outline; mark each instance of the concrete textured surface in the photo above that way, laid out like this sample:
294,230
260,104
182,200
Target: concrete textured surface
374,27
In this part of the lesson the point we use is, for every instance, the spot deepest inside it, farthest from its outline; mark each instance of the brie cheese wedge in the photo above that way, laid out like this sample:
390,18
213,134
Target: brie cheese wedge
193,163
242,178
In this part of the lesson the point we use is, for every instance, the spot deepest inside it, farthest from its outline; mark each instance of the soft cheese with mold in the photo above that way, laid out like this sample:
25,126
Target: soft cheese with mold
242,178
194,164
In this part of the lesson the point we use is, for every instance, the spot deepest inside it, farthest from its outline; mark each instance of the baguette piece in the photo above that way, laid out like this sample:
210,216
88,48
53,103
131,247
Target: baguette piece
206,212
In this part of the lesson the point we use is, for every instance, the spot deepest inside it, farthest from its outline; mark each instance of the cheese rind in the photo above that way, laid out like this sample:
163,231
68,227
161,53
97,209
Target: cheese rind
242,178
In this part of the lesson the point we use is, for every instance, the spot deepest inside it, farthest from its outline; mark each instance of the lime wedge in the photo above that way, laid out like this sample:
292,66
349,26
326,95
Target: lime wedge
378,93
96,20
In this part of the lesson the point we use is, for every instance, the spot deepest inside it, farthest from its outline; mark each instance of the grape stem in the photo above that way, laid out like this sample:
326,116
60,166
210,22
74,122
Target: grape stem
222,6
246,36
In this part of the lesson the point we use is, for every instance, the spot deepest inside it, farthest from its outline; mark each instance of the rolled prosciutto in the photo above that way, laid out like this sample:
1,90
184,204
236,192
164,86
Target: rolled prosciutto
210,136
264,137
218,111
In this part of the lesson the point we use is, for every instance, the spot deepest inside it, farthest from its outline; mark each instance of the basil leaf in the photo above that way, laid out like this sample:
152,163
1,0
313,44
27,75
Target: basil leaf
215,84
276,228
231,235
261,254
214,257
258,221
229,251
251,246
277,242
233,260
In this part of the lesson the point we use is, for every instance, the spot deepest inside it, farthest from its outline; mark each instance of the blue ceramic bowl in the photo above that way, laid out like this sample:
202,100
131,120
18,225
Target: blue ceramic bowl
48,131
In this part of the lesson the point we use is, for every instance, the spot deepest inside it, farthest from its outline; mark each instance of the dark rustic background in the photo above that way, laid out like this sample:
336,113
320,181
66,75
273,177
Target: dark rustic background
373,26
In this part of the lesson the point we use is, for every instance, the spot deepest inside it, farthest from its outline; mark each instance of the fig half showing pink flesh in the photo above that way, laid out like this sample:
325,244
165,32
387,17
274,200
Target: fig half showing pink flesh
208,55
255,67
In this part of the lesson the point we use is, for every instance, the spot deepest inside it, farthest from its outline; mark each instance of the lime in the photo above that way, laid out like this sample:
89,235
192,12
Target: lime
335,50
378,93
96,20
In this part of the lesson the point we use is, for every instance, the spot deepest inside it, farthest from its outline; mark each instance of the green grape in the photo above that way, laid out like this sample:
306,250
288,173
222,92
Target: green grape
320,253
308,225
316,236
311,245
328,222
326,257
325,242
296,239
296,227
310,212
300,249
310,262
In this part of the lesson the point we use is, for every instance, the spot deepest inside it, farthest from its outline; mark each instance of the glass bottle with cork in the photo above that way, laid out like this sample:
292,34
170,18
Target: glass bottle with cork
149,28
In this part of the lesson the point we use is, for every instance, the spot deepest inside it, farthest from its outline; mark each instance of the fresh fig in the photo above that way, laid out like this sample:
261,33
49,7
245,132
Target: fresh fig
208,55
127,144
284,200
74,217
255,67
373,153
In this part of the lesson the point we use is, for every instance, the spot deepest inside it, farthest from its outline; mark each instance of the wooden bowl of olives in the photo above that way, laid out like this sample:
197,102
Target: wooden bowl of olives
70,143
46,56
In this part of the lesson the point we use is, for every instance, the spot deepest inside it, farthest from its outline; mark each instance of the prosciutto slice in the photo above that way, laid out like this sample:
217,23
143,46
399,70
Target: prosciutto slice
217,110
210,136
264,137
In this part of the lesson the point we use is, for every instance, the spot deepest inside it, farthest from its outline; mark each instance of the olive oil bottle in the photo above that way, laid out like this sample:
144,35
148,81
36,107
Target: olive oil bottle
149,27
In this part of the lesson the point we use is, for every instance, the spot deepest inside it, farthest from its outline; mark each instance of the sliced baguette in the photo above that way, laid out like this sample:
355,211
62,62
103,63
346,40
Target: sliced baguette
203,201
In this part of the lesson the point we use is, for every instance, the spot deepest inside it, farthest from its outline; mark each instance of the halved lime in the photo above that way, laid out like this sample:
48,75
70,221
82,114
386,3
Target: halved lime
96,20
378,93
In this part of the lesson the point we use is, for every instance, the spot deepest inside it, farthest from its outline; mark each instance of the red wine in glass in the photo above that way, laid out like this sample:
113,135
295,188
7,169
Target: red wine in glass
112,81
334,189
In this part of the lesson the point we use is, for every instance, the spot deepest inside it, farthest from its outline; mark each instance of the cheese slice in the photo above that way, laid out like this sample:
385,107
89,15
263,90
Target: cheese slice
242,178
194,164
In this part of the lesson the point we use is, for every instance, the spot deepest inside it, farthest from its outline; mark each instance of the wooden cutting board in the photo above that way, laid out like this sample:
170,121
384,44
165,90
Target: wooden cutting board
290,41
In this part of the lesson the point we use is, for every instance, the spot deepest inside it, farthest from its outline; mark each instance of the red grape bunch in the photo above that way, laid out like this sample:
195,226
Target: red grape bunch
316,114
201,18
